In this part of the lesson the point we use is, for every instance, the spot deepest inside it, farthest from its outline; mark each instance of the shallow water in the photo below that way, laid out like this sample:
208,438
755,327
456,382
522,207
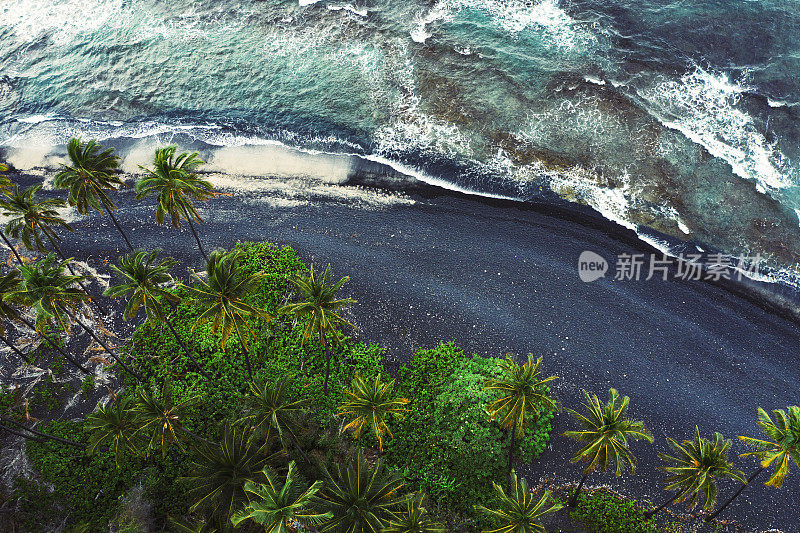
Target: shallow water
677,116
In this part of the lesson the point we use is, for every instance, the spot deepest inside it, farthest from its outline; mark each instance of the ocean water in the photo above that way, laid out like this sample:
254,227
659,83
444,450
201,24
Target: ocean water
681,117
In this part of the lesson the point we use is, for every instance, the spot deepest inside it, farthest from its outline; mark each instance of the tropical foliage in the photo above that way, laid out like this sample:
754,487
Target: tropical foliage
320,307
220,298
695,468
89,177
415,518
274,505
31,220
222,469
176,186
604,432
782,445
521,394
369,403
213,454
360,499
519,510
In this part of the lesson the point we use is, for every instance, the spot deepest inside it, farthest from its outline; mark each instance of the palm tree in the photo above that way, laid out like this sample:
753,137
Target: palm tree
162,419
361,499
605,430
175,183
221,470
520,511
50,293
113,424
10,285
270,407
415,519
369,404
9,282
695,468
273,504
781,447
219,297
91,174
522,394
5,185
144,281
319,305
31,220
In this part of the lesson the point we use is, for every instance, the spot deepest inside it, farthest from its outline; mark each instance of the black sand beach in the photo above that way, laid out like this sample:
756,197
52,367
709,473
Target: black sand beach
497,278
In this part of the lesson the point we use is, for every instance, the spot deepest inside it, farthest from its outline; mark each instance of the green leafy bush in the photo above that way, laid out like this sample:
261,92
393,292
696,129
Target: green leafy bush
447,446
87,486
603,511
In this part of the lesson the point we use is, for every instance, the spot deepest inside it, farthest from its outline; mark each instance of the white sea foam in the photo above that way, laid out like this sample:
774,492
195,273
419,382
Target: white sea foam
592,79
304,3
545,17
419,33
362,12
704,107
62,20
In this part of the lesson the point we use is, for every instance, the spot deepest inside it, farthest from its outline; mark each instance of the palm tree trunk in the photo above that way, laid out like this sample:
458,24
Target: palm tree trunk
80,283
735,495
327,365
97,339
299,449
649,514
199,245
56,346
15,349
196,436
38,433
13,250
114,220
574,500
511,448
185,349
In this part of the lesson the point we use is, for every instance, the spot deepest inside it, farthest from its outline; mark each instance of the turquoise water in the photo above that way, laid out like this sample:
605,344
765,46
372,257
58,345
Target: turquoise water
678,116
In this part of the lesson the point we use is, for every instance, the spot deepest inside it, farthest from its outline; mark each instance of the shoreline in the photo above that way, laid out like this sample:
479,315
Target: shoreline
381,174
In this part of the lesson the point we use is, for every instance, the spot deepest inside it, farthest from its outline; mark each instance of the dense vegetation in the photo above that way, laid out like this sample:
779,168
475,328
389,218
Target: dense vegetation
242,404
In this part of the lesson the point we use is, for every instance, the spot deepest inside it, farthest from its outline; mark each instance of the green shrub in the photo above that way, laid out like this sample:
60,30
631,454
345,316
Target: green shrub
87,486
603,511
447,446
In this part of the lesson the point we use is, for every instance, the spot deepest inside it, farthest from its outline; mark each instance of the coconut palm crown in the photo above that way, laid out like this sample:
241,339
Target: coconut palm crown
606,430
361,499
31,220
90,175
519,510
369,403
175,183
49,291
521,394
696,466
782,445
144,277
219,295
320,307
273,504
